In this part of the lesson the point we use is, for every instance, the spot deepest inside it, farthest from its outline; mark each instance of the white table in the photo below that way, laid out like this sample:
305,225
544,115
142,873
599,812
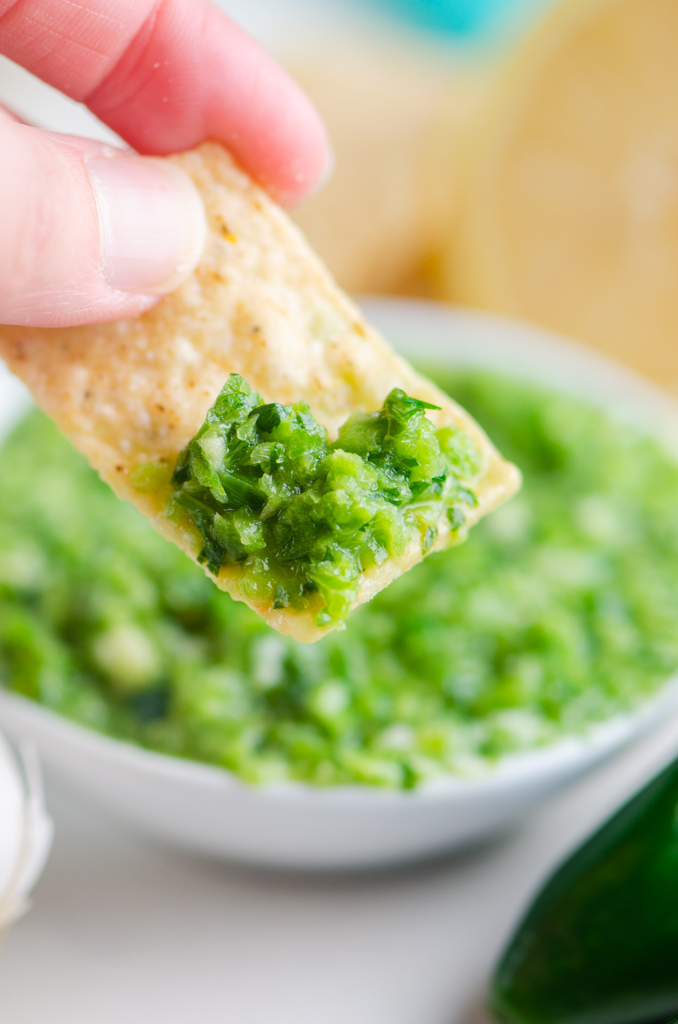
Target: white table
123,932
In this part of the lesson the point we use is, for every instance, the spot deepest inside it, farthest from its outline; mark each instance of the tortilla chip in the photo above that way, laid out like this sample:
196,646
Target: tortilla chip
260,304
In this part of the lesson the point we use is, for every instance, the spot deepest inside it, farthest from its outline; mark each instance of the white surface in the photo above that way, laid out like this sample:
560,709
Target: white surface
206,809
124,933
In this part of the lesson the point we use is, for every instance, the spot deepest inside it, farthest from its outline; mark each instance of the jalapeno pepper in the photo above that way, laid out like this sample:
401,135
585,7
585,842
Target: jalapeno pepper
600,943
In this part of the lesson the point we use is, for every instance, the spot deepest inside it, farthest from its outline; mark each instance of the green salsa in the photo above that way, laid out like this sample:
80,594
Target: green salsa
558,612
303,518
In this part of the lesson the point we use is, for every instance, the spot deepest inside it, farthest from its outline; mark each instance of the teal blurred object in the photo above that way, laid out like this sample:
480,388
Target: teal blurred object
465,17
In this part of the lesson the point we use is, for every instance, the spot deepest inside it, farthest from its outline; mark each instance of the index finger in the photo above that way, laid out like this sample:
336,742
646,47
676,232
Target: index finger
167,74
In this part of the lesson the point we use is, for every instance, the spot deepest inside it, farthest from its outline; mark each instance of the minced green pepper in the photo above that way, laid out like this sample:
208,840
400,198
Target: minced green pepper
303,517
558,612
600,943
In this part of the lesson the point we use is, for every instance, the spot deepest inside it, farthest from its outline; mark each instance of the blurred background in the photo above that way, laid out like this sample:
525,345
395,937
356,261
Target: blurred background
514,155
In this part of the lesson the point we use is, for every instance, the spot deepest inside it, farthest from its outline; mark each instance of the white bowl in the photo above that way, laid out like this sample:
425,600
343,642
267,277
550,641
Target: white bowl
293,825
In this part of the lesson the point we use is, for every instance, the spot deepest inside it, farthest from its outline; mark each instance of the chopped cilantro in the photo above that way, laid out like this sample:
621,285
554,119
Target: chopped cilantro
303,518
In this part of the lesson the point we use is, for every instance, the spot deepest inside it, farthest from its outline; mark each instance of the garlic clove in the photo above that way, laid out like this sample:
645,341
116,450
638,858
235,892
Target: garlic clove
25,831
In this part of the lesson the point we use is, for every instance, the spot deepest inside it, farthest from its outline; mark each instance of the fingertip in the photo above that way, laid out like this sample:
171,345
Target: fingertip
326,174
305,176
194,74
303,162
263,116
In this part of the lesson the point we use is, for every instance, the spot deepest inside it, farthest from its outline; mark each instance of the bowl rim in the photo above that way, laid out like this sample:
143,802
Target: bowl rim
514,349
554,760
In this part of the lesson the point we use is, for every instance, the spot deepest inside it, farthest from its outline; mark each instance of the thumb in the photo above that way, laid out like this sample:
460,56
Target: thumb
89,233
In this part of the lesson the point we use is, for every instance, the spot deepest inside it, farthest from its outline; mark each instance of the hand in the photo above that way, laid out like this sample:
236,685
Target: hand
89,233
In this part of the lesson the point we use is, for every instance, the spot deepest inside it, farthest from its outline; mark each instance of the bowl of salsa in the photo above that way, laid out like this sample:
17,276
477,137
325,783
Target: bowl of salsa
454,702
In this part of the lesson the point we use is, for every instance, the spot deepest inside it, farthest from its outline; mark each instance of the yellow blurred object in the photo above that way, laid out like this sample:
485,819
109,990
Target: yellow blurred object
567,198
374,223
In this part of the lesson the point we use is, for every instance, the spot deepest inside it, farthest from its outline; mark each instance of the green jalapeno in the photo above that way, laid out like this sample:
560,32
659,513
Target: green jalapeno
600,943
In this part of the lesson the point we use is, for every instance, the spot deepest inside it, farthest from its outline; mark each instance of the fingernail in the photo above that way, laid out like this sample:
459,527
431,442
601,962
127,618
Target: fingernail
326,176
152,223
292,197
